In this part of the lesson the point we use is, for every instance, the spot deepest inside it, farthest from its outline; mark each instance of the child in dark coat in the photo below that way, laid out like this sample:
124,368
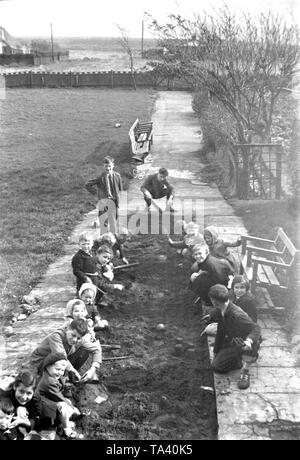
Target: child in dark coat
238,337
54,405
207,271
83,261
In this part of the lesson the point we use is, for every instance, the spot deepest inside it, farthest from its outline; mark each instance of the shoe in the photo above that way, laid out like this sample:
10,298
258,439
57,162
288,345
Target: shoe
244,380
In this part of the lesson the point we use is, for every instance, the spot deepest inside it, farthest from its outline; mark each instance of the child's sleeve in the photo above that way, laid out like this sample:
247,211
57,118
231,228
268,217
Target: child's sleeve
118,247
232,244
57,346
178,244
89,186
53,391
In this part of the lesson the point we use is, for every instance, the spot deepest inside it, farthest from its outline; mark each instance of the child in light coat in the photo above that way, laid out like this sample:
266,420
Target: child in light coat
219,247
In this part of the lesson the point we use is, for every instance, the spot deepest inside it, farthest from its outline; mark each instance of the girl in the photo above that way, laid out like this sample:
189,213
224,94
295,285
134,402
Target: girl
219,247
54,404
85,308
241,296
25,403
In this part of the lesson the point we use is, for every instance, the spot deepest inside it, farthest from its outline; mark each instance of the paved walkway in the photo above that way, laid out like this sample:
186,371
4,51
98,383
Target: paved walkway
270,408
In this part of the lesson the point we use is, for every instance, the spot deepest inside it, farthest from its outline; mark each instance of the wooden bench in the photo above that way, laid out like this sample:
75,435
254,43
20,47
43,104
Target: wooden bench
141,138
270,263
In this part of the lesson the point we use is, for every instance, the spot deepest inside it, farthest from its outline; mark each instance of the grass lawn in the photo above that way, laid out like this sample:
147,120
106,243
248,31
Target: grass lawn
52,141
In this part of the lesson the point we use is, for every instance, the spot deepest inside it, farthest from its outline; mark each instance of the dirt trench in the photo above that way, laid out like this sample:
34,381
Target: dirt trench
156,393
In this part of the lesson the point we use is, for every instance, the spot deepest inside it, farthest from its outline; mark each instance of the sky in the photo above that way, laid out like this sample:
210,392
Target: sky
77,18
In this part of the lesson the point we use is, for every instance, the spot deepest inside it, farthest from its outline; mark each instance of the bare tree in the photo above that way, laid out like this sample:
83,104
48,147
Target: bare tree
124,41
244,63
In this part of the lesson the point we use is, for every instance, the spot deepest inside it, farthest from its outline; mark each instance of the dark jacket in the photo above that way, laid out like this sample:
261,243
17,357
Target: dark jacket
156,188
50,391
102,188
83,263
247,303
235,323
212,271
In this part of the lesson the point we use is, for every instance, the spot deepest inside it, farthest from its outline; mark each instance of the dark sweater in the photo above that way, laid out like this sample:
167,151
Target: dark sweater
83,263
235,323
247,303
212,271
156,188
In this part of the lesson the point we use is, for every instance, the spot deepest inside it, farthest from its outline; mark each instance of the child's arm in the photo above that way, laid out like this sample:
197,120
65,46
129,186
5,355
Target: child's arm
177,244
232,244
21,418
90,185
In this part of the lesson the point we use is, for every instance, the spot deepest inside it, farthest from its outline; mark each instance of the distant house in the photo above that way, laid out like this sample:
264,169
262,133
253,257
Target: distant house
9,45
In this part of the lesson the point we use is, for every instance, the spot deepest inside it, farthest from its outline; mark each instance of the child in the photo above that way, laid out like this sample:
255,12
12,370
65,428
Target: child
83,261
207,271
190,238
6,417
238,337
108,187
105,272
68,340
54,405
241,296
219,247
87,294
112,240
26,408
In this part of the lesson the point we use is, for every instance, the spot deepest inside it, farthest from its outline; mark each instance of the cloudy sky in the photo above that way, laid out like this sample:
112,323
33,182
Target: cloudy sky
99,17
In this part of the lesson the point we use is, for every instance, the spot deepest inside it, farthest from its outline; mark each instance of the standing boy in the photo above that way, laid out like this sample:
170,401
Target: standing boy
107,186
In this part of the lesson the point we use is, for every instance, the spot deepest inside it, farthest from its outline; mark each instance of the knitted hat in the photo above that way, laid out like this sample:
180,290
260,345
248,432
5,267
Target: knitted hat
53,358
71,304
90,286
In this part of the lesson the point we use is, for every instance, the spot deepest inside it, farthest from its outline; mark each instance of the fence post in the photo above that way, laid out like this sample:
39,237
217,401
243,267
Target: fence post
112,78
70,80
278,172
30,79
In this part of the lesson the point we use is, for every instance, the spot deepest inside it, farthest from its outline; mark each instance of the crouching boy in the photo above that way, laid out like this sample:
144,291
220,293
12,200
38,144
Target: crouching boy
238,337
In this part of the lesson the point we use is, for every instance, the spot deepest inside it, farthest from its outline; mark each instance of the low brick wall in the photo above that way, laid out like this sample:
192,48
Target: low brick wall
109,79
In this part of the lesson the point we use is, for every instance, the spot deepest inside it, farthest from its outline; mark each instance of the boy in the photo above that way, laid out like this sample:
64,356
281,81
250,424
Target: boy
105,272
157,186
83,261
68,341
108,188
238,337
207,271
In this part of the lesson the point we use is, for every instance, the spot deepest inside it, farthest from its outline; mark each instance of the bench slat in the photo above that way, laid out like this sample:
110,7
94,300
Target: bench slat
270,275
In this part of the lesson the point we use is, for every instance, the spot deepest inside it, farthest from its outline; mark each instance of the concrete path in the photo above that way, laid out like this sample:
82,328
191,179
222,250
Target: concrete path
270,408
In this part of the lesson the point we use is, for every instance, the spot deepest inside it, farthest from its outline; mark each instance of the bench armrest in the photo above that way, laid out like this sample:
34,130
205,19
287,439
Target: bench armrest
245,238
258,261
255,238
263,251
